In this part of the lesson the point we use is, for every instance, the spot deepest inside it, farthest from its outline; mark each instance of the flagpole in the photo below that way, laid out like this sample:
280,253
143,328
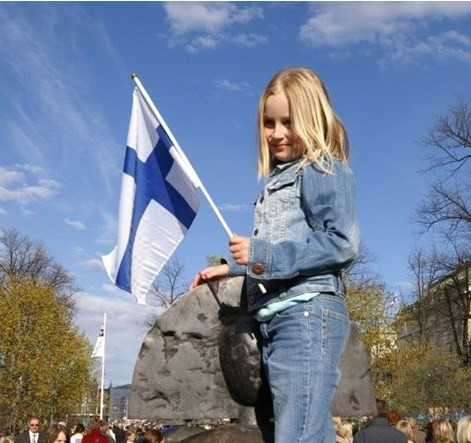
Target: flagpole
182,155
103,367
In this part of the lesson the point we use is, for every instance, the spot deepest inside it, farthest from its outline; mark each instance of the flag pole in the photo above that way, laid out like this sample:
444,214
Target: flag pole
103,367
181,153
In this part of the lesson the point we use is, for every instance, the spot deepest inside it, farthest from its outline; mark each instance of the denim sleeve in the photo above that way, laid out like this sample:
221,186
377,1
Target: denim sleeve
332,240
235,269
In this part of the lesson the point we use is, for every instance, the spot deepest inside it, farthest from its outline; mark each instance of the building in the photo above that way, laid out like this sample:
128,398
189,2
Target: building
441,315
119,398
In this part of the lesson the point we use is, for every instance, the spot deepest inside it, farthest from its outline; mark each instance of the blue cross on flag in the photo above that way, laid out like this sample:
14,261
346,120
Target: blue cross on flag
158,203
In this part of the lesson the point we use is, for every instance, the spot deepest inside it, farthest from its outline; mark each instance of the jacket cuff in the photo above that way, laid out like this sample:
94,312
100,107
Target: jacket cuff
235,269
259,266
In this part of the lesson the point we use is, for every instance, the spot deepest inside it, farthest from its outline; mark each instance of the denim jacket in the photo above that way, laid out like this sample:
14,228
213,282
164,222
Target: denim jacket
305,232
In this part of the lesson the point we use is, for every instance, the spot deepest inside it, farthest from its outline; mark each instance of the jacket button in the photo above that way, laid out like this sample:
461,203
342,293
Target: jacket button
251,300
255,232
257,269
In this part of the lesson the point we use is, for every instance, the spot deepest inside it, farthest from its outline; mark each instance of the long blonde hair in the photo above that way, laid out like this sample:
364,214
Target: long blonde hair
463,430
405,427
312,117
442,430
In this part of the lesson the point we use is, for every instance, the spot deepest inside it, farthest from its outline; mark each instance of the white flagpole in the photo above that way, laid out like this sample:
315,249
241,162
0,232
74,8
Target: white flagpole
182,155
185,159
103,367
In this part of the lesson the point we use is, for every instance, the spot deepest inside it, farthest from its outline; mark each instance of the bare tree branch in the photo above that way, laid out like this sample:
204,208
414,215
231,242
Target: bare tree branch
22,257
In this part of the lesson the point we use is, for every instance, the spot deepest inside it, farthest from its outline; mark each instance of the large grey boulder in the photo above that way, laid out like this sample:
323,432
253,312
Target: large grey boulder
200,363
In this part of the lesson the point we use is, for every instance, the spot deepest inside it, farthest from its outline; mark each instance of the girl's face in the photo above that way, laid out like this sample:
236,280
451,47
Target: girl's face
131,437
60,438
284,145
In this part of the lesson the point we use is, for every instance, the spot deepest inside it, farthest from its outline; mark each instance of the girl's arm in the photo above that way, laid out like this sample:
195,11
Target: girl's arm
210,274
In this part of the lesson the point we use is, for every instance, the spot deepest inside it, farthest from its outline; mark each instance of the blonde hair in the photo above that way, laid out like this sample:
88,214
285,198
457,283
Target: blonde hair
312,117
345,430
442,430
405,427
463,431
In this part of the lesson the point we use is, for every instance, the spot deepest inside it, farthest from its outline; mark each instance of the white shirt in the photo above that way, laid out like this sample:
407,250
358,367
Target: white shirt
33,437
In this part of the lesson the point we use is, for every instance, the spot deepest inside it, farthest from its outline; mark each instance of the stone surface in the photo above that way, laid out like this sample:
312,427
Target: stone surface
200,362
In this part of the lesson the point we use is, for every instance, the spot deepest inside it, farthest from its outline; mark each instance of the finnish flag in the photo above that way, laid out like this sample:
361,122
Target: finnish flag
157,206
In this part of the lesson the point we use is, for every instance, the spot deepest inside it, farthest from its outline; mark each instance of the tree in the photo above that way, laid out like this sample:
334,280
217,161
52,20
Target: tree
371,307
430,379
170,283
441,273
20,256
47,363
442,302
448,205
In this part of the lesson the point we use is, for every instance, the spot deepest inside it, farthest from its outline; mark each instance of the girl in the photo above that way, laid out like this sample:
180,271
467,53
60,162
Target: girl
58,434
442,431
305,233
405,427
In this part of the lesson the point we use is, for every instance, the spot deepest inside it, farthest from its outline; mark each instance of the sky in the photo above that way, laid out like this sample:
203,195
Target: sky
65,101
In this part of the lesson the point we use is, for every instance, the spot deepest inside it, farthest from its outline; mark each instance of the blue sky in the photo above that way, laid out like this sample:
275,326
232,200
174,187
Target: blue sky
65,103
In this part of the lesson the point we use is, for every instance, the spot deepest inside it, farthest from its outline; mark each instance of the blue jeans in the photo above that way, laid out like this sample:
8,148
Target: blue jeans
301,350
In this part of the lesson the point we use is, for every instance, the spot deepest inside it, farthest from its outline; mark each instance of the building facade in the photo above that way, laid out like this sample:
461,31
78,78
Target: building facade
119,398
441,316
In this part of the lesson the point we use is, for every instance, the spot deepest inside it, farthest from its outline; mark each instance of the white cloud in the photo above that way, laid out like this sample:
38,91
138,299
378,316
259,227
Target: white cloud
75,224
398,28
24,188
202,42
94,263
185,17
8,176
249,40
206,25
228,85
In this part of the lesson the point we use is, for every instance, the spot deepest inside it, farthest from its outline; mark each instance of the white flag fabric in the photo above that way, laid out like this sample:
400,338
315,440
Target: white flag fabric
99,350
158,204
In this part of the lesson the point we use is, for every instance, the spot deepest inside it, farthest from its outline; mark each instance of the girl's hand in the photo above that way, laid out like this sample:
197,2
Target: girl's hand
209,274
240,249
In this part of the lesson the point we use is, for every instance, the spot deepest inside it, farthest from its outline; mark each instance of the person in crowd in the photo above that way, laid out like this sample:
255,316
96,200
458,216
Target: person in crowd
131,435
305,233
419,436
405,428
345,433
7,439
153,436
442,431
393,417
463,430
378,430
105,430
33,434
94,434
77,436
58,434
119,432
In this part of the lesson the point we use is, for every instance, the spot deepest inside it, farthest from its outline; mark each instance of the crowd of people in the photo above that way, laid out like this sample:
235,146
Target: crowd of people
97,431
390,426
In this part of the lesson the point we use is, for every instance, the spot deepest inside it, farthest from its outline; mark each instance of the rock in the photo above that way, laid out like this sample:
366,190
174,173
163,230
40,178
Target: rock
200,362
